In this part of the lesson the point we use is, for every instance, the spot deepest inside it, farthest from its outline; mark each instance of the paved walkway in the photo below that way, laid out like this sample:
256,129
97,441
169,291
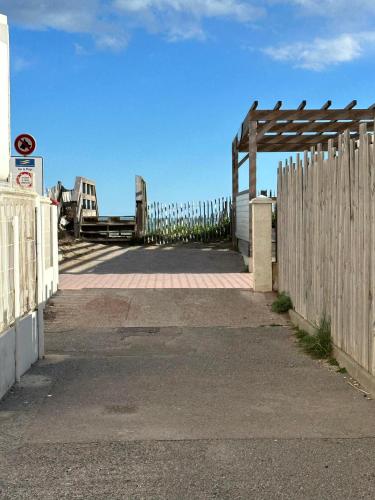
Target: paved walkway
181,394
166,267
164,280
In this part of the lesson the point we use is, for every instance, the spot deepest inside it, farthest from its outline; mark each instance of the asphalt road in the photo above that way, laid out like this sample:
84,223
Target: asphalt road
181,394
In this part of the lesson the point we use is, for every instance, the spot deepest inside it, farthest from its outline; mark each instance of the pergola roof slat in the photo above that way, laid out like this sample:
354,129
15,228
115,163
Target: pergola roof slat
290,127
351,105
327,105
301,139
300,128
312,114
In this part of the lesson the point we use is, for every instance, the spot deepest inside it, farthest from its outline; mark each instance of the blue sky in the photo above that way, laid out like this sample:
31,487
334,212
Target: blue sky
114,88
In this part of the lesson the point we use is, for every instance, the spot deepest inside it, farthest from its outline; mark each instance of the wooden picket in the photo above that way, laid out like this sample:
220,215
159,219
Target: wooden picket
203,221
326,240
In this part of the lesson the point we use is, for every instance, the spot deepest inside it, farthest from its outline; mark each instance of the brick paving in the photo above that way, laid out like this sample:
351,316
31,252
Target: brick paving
156,281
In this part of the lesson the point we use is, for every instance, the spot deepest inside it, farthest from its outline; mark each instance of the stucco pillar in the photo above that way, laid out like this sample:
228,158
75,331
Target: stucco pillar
261,208
4,99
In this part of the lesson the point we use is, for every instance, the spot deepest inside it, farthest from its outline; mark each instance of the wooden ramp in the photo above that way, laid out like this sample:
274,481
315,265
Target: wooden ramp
122,228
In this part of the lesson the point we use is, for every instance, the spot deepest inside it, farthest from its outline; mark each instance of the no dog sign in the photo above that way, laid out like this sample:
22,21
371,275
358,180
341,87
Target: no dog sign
25,144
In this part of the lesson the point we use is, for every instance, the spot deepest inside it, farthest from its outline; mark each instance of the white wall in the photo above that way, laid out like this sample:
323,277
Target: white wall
242,216
4,99
7,360
19,350
21,325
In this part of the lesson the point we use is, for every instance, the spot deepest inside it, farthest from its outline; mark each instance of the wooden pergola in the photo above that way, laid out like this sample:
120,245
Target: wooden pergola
290,130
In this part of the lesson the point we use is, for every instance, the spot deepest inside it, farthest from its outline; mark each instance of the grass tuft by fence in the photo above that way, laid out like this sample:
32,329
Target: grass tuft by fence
319,346
202,221
282,304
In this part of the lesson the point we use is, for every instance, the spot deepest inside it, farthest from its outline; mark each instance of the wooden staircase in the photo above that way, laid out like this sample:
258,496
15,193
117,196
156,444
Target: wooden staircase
122,228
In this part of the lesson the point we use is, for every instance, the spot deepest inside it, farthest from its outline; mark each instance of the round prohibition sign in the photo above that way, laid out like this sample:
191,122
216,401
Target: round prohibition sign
25,179
25,144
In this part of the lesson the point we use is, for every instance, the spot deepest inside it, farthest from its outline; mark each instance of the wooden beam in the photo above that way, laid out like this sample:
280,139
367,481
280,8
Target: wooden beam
253,159
300,139
244,130
299,146
327,105
287,148
351,105
264,129
243,160
278,105
234,190
311,114
303,127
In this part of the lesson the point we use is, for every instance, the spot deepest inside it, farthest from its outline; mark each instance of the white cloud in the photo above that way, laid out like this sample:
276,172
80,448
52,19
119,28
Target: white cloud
106,20
66,15
20,63
335,7
239,10
110,23
183,19
72,16
111,41
321,53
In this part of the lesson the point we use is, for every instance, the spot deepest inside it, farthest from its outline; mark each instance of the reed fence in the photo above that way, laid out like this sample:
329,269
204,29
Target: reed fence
202,221
326,241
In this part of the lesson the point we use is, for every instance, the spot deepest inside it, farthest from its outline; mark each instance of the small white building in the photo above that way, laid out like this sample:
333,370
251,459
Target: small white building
28,253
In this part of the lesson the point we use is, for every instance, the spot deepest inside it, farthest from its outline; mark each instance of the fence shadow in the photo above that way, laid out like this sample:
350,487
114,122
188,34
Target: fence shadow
174,259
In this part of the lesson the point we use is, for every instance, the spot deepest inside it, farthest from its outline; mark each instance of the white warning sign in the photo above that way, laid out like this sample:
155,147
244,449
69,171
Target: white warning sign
28,173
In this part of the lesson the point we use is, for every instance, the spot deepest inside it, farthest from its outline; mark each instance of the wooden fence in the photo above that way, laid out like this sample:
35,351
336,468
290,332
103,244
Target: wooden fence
186,222
326,241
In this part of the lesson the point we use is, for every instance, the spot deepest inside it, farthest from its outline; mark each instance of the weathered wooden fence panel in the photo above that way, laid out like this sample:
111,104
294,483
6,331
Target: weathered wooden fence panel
326,240
186,222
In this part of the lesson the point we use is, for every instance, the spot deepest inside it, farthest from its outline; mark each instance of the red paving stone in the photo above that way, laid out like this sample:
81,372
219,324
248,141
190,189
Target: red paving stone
156,281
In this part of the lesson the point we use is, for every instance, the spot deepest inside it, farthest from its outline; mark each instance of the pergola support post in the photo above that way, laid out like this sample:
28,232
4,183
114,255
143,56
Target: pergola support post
253,159
253,125
234,191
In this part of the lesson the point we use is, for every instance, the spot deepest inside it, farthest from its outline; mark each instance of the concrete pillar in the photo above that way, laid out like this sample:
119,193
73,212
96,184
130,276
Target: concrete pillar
4,99
261,219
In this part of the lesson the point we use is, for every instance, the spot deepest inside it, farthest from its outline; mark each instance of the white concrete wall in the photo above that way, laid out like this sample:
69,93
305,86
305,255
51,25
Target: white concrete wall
4,99
27,343
242,216
7,360
19,350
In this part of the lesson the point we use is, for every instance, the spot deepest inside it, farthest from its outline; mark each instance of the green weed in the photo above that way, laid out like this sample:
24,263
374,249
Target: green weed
342,370
282,304
319,346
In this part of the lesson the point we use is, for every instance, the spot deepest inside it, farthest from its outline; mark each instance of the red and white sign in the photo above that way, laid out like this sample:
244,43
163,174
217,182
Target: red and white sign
25,144
25,179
